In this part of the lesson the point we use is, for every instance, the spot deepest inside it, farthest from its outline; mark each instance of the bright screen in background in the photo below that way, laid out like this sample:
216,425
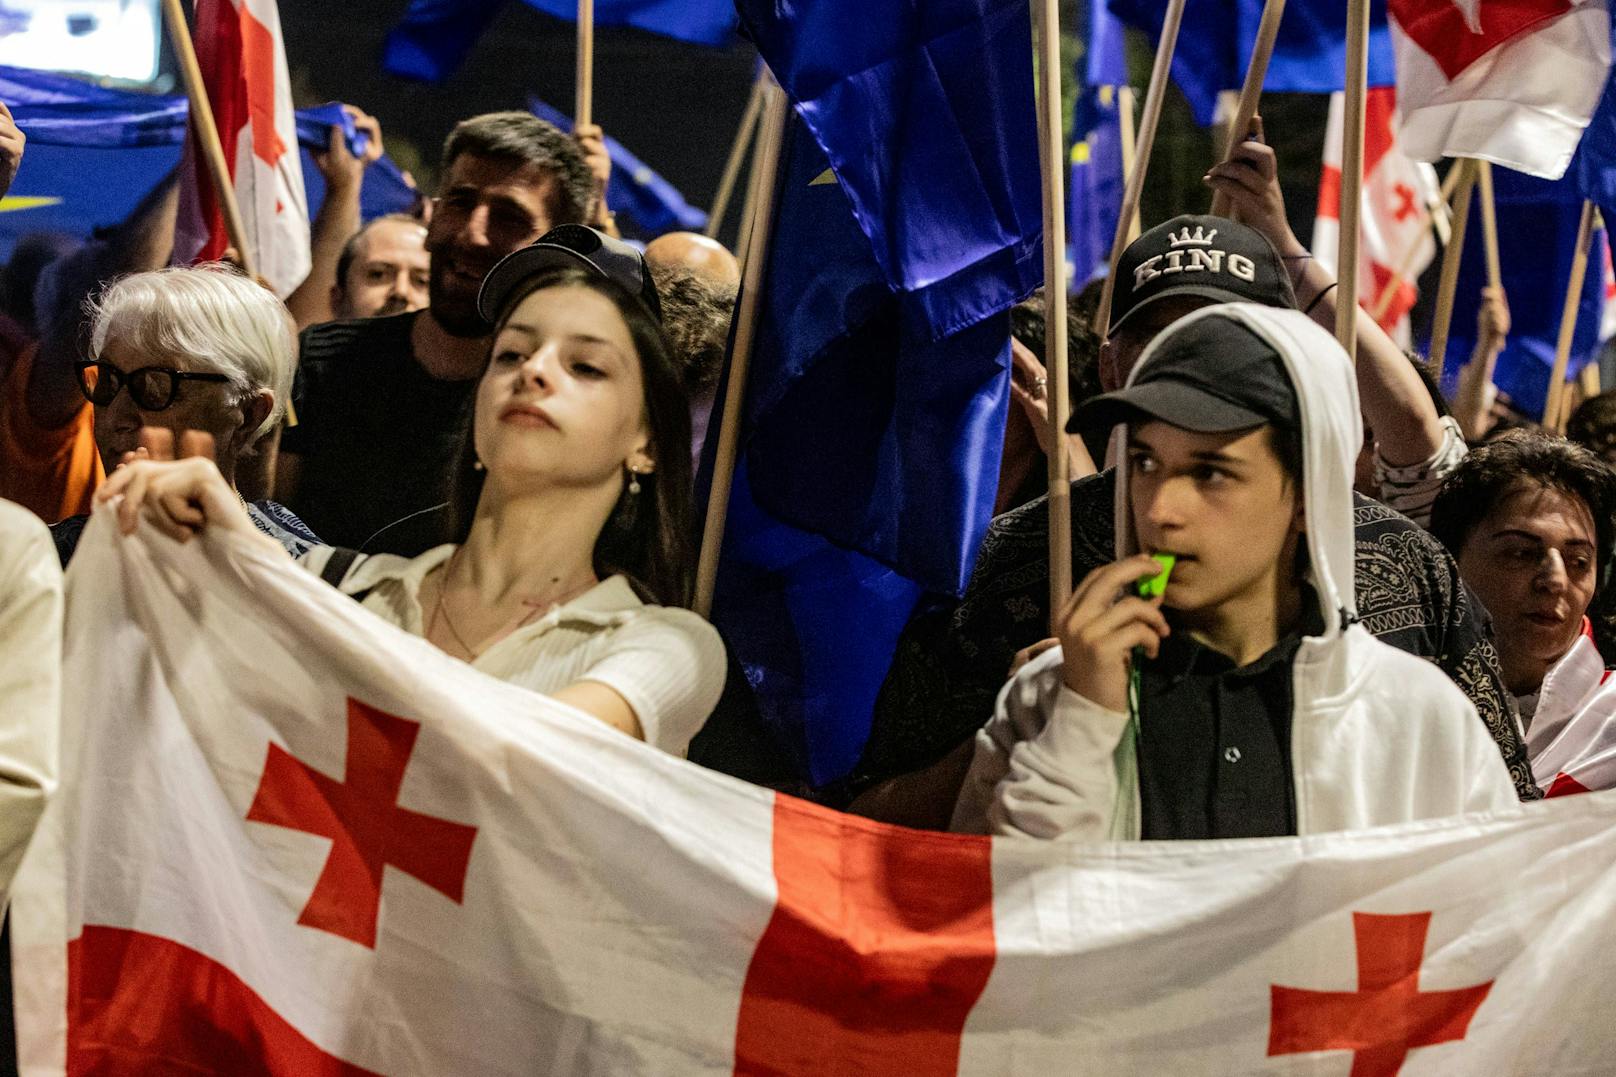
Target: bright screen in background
109,39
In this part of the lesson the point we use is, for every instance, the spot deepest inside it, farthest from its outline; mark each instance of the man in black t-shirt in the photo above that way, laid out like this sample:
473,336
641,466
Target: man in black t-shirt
383,403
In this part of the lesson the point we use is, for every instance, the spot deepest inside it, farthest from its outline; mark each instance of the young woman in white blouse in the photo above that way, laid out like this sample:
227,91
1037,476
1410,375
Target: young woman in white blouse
569,551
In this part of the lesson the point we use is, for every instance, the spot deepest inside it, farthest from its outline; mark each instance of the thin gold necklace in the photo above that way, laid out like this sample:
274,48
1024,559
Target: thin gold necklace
440,609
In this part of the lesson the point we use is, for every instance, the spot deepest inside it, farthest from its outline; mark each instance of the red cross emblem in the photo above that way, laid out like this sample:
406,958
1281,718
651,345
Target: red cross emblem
1441,30
1405,202
1388,1016
367,828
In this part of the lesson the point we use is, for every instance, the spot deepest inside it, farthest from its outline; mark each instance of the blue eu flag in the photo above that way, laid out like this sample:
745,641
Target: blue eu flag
1537,233
908,221
432,39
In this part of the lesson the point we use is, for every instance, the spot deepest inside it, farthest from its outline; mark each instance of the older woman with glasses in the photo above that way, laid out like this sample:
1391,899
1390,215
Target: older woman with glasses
196,349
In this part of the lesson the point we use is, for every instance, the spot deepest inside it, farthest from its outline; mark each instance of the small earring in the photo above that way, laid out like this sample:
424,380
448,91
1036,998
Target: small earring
477,465
633,482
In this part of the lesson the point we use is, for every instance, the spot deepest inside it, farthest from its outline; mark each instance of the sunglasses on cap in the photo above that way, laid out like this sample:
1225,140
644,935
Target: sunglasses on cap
152,387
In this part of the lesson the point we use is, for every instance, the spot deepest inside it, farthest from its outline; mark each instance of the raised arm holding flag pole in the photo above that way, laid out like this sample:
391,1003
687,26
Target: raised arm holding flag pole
1251,92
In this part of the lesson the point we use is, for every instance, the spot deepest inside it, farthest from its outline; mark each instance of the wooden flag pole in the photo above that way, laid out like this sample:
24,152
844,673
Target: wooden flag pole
745,135
1352,161
1489,224
1147,140
1251,92
1052,156
1442,321
207,134
583,105
1126,99
771,138
1552,416
1435,218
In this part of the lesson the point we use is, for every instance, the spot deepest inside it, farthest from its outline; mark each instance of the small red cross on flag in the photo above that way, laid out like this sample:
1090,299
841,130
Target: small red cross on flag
1388,1015
367,828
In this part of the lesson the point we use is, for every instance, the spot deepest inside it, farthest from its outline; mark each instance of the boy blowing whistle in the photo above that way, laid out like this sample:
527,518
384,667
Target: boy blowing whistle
1242,701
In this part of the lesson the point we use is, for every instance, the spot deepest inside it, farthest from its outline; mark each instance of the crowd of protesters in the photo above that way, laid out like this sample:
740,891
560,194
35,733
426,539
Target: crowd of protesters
481,424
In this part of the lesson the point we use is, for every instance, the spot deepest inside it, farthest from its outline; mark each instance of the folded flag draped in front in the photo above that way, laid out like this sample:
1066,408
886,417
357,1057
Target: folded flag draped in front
291,839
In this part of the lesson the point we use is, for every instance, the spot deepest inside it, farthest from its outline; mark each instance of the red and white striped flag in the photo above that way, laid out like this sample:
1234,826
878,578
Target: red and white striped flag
1514,82
243,61
1398,197
291,839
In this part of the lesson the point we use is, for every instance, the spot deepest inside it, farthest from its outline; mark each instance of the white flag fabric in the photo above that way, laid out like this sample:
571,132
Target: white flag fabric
292,839
1514,82
243,61
1395,219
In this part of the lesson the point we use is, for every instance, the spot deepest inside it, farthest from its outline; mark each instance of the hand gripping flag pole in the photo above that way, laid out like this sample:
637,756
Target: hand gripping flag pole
1147,140
1352,167
207,134
1052,156
1251,92
754,262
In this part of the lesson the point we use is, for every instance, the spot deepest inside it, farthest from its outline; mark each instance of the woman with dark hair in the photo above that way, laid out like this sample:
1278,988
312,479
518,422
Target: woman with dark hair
1531,521
571,506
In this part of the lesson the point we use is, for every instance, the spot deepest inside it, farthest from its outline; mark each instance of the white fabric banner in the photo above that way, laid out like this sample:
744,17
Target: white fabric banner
292,839
1514,82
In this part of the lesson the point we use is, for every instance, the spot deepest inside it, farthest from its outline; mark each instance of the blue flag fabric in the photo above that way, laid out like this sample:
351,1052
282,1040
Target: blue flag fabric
1537,232
869,468
1096,183
80,134
908,221
650,203
1594,166
1216,40
925,112
433,38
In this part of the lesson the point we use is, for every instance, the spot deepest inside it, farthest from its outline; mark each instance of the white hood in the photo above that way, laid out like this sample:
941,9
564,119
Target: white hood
1332,433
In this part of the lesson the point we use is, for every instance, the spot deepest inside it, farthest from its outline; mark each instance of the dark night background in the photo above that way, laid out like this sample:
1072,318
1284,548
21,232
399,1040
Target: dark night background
676,106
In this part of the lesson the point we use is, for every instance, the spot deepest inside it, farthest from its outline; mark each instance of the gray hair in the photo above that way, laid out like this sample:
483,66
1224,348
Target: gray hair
204,318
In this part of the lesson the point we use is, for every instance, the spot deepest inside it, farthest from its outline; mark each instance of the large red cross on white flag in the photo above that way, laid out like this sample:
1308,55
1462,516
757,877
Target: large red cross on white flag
1398,195
243,61
1514,82
291,839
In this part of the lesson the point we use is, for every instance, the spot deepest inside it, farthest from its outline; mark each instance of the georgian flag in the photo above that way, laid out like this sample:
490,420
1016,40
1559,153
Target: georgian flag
243,61
1514,82
292,839
1398,196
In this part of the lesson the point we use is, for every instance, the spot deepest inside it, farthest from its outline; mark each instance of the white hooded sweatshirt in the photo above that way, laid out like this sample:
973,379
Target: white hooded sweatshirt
1377,736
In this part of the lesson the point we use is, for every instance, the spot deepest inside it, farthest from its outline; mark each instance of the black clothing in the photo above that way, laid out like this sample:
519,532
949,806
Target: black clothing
376,434
1215,740
948,670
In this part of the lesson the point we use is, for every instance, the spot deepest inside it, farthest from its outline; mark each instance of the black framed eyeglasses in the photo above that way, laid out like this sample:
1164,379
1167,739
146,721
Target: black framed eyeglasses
152,387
